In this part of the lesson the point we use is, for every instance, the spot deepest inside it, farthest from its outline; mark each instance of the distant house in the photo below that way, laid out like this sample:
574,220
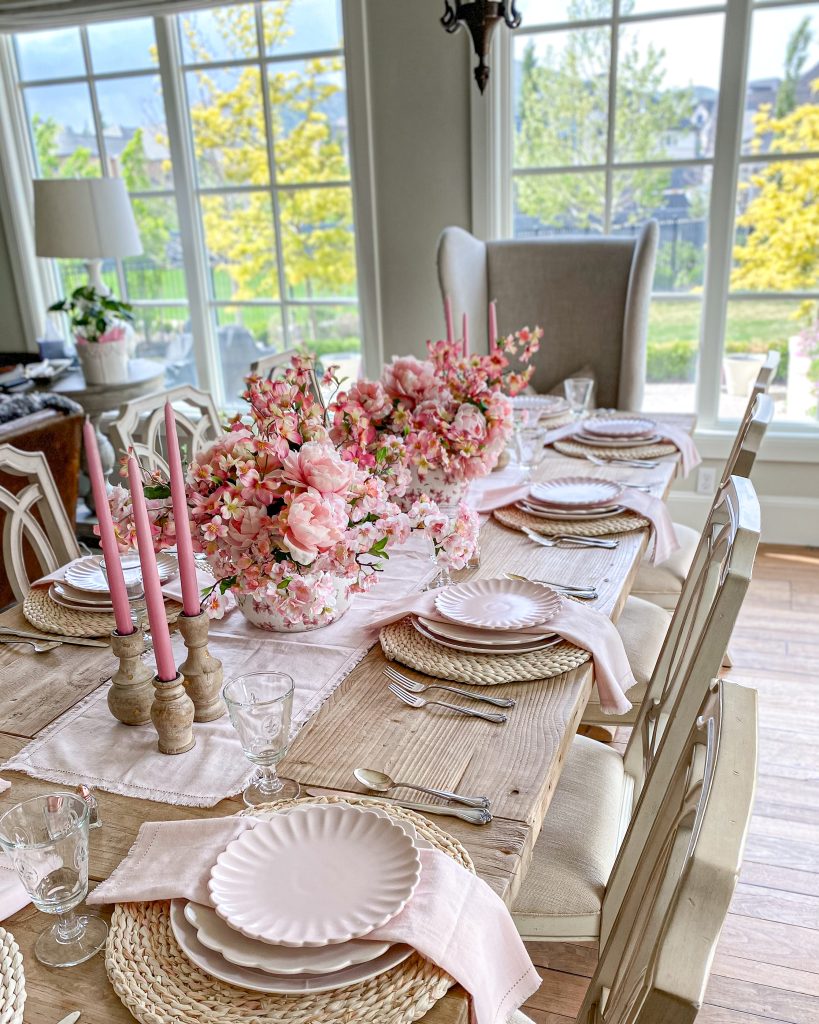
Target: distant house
117,138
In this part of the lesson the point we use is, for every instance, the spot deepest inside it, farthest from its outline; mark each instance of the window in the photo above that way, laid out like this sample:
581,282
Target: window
229,126
615,119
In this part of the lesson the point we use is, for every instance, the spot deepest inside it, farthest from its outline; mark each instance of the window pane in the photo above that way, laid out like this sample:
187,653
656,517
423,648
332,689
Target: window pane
777,227
163,333
559,204
754,327
667,102
678,198
122,45
240,245
243,334
650,6
318,242
53,54
309,109
544,12
227,121
62,129
303,26
671,358
73,273
159,272
136,137
223,33
781,99
561,98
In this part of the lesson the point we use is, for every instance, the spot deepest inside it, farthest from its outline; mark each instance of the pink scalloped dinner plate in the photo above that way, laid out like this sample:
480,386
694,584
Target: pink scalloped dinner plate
575,492
498,603
618,426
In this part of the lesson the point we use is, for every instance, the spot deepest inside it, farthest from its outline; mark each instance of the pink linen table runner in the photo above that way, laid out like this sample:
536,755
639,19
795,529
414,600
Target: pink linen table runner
689,456
453,918
578,624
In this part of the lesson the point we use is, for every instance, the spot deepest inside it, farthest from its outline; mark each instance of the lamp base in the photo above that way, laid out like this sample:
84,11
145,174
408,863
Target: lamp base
94,271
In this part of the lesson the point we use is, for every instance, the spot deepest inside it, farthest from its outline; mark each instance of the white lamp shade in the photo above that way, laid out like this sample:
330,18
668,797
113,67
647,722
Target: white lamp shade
86,218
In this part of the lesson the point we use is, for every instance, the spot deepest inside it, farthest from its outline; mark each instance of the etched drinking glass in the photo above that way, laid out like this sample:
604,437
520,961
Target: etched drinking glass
46,838
578,391
260,705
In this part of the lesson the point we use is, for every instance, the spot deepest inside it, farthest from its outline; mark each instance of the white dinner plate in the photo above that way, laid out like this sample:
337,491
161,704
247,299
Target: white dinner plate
573,492
85,574
314,875
214,963
458,645
498,603
57,597
619,426
83,597
482,637
615,442
559,516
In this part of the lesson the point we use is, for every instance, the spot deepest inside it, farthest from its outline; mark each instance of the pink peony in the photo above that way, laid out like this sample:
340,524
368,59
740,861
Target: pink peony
372,398
408,379
320,466
315,522
470,420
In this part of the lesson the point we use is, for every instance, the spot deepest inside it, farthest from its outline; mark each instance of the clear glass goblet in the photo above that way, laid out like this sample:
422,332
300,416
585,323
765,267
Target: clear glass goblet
260,705
134,588
578,391
529,451
46,838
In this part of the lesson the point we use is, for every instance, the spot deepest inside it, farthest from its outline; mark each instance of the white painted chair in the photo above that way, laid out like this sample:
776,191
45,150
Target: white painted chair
661,584
562,894
49,534
141,425
273,365
677,870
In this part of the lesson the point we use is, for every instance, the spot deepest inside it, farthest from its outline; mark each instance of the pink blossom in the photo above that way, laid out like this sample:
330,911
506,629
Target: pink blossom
314,523
318,465
408,379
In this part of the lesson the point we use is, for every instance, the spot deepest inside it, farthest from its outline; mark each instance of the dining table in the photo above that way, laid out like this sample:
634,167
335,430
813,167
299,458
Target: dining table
517,765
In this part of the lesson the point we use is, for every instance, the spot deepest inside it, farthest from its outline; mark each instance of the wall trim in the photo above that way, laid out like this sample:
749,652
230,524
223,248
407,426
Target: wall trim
784,520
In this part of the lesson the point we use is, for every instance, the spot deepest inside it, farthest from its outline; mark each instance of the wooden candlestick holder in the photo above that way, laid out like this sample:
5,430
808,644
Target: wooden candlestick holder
202,672
132,692
172,715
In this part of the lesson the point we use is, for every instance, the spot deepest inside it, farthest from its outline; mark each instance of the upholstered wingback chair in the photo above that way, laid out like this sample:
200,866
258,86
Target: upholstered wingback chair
590,296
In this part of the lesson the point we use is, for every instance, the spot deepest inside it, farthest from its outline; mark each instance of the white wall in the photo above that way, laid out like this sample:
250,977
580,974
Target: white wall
12,335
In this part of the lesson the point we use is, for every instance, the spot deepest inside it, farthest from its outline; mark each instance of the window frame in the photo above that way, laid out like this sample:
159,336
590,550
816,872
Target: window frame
36,279
492,195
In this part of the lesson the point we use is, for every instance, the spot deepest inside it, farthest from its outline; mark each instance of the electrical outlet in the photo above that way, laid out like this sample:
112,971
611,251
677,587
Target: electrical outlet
706,480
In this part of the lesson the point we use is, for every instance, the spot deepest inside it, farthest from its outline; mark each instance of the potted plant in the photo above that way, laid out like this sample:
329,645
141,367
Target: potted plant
99,324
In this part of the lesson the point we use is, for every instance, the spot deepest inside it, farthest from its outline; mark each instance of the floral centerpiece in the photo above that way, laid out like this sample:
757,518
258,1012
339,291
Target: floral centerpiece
288,521
99,323
430,426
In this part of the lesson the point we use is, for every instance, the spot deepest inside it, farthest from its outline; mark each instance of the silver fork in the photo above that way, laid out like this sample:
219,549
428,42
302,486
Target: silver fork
39,645
557,540
415,687
587,593
639,463
414,701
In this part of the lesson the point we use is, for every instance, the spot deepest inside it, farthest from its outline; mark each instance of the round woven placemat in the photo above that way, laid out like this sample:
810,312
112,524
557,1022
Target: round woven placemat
158,983
50,617
645,451
12,980
401,642
517,519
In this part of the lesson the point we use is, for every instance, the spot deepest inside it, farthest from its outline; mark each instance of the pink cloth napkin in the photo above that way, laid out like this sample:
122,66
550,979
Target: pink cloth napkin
453,919
13,896
577,623
689,456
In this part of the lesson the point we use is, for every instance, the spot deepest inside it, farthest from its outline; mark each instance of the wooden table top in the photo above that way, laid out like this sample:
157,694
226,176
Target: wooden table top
517,765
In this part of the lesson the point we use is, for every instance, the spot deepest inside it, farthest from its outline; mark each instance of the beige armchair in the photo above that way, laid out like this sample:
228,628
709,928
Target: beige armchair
590,295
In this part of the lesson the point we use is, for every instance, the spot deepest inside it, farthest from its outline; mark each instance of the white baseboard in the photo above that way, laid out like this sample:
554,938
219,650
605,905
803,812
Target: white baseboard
784,520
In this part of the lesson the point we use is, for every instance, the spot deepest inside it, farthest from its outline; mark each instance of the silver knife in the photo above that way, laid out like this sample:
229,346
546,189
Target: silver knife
80,641
72,1018
474,815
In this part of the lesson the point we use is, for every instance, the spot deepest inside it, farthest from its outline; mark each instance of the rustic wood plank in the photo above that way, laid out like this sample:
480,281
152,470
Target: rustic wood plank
766,974
794,1007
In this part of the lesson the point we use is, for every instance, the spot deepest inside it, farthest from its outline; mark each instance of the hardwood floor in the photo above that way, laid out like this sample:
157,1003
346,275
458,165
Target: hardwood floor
766,966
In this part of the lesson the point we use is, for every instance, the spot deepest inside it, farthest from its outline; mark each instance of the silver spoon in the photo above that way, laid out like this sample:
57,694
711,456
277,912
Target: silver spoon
382,783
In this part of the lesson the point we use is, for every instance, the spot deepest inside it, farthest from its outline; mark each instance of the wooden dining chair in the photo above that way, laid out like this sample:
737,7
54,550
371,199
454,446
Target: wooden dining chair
661,584
561,895
140,425
37,534
677,870
273,365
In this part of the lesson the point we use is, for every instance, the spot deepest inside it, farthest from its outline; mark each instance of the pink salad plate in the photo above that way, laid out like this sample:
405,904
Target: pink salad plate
615,442
488,637
86,575
315,875
558,515
575,492
499,648
498,603
62,593
214,964
618,426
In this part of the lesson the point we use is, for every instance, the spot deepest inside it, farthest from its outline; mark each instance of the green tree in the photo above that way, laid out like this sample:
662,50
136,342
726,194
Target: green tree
79,164
795,56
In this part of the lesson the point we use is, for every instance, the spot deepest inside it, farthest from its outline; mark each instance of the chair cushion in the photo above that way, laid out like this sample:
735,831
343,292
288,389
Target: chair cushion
661,584
642,627
562,892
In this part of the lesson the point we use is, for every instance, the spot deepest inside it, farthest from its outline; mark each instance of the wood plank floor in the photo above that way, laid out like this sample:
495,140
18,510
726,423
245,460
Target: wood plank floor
767,962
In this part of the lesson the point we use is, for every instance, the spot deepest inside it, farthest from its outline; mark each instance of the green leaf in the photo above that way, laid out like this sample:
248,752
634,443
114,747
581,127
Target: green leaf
152,491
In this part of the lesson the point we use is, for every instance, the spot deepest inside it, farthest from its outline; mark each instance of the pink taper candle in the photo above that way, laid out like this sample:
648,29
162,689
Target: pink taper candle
466,335
493,327
110,550
184,548
165,665
450,326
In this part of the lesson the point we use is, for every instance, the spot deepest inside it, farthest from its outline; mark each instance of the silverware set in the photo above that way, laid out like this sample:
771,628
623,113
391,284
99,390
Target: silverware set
414,701
10,636
637,463
563,540
415,687
583,593
380,782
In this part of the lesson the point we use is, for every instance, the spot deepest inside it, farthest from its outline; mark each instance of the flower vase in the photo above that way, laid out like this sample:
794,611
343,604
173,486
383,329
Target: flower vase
436,486
272,611
104,362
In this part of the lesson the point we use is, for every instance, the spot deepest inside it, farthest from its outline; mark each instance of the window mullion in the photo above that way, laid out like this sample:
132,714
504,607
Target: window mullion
728,142
193,244
614,44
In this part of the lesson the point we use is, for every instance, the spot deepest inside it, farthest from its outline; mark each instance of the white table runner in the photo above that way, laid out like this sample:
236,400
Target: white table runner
88,745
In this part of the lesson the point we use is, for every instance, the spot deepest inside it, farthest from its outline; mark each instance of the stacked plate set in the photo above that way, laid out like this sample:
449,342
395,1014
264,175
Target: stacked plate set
295,900
84,587
494,616
617,432
573,498
540,407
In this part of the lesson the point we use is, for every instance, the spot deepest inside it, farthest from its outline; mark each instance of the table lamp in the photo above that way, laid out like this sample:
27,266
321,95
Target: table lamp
86,218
